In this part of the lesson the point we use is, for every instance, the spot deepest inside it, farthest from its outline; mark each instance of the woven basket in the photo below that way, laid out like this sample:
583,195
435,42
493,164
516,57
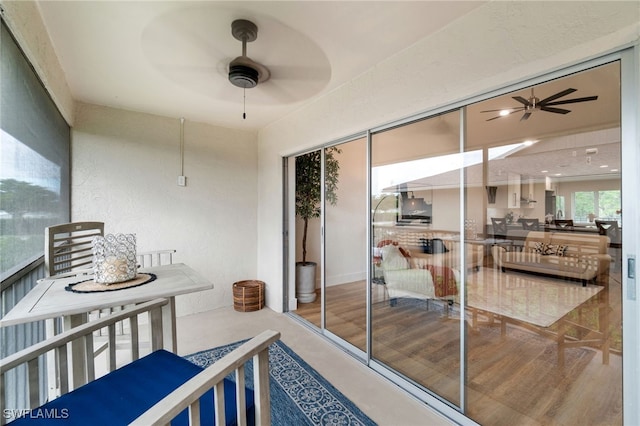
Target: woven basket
248,295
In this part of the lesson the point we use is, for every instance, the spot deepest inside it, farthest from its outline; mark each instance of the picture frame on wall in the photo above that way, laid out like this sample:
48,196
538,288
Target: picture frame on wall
416,208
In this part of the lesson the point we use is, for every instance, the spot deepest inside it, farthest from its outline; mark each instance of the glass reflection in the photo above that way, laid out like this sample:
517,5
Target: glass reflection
417,257
543,315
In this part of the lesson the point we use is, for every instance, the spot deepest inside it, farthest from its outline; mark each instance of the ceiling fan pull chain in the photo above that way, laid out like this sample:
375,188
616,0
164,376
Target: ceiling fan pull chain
244,104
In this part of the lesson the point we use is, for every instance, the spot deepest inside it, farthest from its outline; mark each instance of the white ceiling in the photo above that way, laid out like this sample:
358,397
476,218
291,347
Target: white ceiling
170,57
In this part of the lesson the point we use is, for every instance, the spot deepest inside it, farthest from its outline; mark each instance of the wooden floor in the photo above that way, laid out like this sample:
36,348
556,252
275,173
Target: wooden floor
511,379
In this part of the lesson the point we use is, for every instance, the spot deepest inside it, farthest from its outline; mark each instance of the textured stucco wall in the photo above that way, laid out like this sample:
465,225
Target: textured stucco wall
124,172
495,45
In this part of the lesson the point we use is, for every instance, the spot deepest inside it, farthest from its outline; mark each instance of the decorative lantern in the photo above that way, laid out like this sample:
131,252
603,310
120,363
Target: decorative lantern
114,258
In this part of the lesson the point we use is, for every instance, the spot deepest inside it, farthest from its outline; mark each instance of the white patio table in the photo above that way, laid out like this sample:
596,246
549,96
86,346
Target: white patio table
49,300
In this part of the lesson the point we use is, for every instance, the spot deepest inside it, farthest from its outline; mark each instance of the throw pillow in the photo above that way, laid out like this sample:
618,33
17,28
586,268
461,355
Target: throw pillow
550,249
392,259
406,253
444,280
561,249
539,247
546,249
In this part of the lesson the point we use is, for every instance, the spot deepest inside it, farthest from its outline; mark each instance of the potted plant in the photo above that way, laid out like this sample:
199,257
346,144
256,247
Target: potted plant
308,197
509,217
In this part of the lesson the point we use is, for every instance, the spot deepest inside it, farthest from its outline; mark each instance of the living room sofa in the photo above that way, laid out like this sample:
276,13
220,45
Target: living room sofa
580,256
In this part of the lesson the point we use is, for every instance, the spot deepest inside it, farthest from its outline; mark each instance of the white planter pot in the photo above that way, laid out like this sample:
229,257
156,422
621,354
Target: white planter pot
306,282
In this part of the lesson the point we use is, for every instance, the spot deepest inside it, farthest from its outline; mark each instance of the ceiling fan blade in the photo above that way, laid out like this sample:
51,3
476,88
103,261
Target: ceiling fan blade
495,118
525,116
555,110
556,96
521,100
573,101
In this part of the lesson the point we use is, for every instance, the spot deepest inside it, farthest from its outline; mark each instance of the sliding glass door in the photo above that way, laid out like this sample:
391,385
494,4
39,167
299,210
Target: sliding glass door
545,313
345,242
499,249
335,180
490,280
416,173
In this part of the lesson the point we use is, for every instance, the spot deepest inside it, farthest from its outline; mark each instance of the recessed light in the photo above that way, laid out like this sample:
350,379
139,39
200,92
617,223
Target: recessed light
613,170
558,174
604,166
544,171
504,112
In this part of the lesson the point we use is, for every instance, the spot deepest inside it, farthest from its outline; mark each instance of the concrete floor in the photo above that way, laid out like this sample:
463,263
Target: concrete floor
384,402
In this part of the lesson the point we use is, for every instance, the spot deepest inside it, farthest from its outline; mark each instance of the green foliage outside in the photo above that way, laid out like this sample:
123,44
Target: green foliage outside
18,198
602,204
16,251
21,235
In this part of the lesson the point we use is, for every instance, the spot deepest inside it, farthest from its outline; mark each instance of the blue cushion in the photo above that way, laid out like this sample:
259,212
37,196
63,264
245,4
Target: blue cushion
124,394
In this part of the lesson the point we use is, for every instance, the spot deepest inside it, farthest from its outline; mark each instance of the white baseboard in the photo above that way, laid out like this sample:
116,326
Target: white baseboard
346,278
293,304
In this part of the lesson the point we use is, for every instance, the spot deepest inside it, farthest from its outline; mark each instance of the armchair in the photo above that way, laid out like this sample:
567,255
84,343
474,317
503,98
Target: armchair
422,281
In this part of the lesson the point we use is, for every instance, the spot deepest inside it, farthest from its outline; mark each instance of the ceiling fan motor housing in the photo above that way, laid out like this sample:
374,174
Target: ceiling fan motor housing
243,76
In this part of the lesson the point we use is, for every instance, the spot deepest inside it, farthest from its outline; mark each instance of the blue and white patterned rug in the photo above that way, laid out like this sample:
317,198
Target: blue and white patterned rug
299,394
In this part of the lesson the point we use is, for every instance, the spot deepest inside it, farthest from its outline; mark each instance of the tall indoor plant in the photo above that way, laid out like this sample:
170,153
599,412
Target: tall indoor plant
308,198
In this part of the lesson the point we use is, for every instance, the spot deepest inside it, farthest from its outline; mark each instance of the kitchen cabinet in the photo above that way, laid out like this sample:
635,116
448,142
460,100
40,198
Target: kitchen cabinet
513,190
527,192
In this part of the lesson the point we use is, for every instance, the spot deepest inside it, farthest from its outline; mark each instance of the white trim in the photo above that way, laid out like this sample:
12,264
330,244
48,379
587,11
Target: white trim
630,116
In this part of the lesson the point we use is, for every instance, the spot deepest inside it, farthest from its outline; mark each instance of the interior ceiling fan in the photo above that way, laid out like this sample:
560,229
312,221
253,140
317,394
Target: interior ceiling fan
534,104
243,71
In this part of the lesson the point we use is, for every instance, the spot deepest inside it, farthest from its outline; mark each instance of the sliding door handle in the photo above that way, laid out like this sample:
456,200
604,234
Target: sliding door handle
631,277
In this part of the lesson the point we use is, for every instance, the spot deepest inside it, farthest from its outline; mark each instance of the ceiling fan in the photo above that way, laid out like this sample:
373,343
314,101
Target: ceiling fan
200,49
535,104
243,71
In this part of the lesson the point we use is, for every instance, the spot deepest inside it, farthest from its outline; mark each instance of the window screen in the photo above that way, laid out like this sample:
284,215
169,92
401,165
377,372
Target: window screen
34,160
